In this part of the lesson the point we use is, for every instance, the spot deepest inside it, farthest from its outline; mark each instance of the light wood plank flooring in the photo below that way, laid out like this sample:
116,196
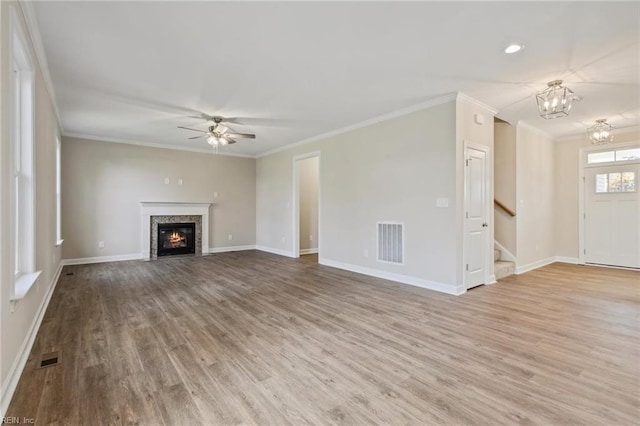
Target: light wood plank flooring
254,338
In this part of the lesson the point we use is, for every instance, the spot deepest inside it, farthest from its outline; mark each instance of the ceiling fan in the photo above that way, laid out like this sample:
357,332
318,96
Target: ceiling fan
218,134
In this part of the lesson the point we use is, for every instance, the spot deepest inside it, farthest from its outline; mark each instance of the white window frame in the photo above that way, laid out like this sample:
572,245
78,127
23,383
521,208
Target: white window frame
59,239
608,175
22,112
623,147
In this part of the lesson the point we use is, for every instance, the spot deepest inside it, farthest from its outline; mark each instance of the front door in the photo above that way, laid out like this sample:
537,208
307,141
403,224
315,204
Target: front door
475,217
612,215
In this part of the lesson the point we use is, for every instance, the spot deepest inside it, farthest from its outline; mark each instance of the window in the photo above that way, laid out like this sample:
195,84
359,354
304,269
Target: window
614,156
58,191
22,160
628,154
601,157
615,182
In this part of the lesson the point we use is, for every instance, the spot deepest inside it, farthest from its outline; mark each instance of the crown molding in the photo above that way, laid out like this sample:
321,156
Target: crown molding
366,123
462,97
152,145
36,41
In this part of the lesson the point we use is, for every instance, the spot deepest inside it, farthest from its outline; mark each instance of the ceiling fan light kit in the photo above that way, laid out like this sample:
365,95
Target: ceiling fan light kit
554,101
601,132
218,135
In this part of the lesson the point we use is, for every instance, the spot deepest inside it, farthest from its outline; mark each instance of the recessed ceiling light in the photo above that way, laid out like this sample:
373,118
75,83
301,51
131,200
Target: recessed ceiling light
513,48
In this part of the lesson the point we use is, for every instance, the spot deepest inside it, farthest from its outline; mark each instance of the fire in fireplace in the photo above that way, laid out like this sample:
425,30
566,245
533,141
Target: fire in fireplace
176,238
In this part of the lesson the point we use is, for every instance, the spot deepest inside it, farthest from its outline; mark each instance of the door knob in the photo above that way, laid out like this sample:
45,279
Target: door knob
484,225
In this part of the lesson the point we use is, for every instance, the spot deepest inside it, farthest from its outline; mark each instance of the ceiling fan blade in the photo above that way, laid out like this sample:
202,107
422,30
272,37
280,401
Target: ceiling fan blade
196,137
189,128
240,135
202,116
229,140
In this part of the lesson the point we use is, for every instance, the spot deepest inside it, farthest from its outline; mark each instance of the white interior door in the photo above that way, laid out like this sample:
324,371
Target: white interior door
476,217
612,215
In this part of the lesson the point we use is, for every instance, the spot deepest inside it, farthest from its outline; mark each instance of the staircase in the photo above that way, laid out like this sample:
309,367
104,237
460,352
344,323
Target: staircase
502,268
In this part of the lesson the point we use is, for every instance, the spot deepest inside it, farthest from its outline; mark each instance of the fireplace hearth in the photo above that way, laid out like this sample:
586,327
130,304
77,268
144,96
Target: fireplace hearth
176,238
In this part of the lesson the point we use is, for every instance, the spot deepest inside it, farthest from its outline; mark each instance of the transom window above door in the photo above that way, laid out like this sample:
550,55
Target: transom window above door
628,154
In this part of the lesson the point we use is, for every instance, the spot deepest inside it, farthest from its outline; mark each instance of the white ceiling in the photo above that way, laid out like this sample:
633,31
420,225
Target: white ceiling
134,71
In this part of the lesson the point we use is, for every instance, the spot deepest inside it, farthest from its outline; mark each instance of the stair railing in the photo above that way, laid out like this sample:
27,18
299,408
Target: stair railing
505,208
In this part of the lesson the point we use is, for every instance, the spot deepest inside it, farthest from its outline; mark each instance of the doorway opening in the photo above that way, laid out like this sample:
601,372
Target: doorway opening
306,213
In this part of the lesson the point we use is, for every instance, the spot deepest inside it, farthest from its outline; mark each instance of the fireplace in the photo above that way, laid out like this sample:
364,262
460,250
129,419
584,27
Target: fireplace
176,238
155,213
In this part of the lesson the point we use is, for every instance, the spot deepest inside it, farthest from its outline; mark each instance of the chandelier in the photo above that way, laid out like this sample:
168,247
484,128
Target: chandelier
601,132
555,100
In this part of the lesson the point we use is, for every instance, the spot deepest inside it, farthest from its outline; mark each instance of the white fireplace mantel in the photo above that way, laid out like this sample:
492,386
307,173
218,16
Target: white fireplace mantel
164,208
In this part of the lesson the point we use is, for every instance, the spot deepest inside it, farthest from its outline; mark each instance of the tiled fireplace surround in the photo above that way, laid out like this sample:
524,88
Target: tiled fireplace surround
154,213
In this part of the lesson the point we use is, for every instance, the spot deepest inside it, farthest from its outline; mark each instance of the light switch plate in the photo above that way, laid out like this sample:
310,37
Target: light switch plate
442,202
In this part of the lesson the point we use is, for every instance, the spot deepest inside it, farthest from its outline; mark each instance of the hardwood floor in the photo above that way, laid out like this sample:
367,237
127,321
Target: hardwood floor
256,338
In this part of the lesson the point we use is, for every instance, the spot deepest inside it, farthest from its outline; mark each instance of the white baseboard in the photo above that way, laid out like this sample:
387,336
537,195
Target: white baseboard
309,251
492,279
138,256
598,265
230,248
506,254
573,260
534,265
404,279
276,251
9,387
102,259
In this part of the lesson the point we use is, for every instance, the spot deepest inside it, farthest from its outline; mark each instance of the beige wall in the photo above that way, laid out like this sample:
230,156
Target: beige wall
15,326
535,187
505,185
567,172
308,188
105,182
393,170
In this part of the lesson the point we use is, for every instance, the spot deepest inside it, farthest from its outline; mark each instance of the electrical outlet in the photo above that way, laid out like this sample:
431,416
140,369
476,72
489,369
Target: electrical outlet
310,237
215,194
230,237
101,244
365,253
179,181
167,181
283,239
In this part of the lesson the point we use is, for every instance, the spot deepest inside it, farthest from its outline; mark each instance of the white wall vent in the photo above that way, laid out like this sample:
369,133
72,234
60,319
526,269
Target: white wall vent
391,242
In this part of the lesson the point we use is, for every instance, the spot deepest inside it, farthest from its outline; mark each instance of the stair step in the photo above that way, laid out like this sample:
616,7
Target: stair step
502,269
496,254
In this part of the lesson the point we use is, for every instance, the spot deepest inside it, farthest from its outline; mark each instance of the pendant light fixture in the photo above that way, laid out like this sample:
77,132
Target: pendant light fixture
601,132
555,101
